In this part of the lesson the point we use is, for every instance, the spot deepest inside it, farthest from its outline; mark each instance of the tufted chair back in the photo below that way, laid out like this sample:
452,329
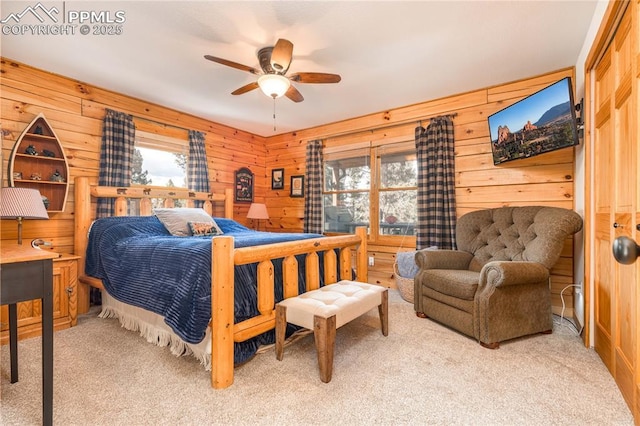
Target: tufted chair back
533,233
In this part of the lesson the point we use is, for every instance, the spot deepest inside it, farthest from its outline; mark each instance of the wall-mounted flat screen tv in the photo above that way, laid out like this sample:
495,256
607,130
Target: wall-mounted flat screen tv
542,122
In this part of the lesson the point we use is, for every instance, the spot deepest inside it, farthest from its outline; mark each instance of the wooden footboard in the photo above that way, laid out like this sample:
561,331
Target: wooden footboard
225,332
224,259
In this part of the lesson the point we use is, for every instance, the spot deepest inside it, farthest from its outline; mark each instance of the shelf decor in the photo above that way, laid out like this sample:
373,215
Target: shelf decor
38,162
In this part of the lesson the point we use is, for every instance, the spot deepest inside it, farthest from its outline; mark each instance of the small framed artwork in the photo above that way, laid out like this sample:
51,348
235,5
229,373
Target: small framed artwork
297,186
244,185
277,179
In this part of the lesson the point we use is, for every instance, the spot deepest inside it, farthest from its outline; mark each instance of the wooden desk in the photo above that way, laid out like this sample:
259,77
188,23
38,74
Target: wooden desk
27,274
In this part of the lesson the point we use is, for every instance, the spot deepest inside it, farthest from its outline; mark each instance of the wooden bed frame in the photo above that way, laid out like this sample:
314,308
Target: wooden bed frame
224,332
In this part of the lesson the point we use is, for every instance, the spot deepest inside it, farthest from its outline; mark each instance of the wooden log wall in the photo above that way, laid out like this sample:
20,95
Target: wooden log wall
75,110
543,180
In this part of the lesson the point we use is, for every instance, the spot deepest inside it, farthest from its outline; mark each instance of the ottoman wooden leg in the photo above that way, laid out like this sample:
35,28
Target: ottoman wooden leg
324,332
383,311
281,329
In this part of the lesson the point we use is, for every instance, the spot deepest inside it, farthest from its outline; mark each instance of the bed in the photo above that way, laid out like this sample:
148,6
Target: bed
230,310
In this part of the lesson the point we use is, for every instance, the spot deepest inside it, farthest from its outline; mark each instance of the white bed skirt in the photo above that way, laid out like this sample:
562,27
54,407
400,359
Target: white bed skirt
152,327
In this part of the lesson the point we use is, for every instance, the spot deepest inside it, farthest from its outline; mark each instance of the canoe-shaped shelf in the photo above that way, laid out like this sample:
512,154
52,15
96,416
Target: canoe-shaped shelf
38,162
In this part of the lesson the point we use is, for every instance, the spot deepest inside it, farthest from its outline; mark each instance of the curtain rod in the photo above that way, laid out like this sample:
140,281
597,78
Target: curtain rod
388,126
452,115
158,122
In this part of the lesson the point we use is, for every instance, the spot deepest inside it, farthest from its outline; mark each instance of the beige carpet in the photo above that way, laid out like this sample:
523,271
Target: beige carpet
422,373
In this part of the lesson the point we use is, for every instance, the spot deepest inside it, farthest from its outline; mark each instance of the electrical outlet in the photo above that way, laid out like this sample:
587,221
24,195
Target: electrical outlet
371,261
578,289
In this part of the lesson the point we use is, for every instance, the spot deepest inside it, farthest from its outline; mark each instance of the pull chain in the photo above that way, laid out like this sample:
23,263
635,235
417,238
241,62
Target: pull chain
274,113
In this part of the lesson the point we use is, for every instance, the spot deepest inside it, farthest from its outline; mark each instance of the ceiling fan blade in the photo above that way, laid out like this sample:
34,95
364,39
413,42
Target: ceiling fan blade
293,94
315,77
281,55
246,88
232,64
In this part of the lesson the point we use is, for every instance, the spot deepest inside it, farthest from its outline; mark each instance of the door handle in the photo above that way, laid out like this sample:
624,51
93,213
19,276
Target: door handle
625,250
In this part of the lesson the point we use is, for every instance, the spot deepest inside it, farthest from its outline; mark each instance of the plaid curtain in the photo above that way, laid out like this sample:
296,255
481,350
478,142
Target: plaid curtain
313,188
436,185
197,170
116,152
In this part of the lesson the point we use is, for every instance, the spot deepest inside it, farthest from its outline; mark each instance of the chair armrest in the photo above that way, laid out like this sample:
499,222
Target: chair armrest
443,259
503,273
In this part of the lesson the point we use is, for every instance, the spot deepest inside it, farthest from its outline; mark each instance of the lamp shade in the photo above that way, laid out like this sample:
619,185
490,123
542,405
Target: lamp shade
258,211
22,203
274,85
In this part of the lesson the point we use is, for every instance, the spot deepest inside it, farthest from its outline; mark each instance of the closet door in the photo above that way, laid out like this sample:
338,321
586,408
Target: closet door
615,191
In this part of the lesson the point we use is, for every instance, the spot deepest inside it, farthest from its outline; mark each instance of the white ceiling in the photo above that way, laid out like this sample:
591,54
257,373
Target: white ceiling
389,53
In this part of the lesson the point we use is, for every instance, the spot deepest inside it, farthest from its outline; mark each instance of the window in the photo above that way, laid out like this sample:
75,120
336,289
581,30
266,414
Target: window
398,190
357,194
347,186
158,161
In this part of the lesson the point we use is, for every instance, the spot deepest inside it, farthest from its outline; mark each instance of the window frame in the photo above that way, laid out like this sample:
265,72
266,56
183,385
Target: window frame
340,153
154,141
375,150
148,140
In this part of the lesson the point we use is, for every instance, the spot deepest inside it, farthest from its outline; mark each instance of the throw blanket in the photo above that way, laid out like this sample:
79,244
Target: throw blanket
142,264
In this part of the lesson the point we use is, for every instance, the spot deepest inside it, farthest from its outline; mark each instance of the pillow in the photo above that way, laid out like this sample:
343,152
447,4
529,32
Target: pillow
230,225
177,220
406,261
204,228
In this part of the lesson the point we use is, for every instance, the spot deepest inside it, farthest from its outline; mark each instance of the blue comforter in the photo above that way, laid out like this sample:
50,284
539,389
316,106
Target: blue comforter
142,264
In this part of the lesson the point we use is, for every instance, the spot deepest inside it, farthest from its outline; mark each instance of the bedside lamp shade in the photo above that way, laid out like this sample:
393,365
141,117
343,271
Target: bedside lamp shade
21,203
258,211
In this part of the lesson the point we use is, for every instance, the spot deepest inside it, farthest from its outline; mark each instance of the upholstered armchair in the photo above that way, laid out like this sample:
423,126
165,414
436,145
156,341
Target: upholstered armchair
495,286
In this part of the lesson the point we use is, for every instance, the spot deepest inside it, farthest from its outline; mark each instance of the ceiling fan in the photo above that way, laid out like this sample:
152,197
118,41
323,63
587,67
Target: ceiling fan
275,62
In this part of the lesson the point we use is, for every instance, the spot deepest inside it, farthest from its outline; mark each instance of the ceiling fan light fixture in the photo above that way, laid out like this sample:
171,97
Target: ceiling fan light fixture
274,85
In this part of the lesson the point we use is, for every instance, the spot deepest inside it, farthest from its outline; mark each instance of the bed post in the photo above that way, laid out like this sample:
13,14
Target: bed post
222,311
362,272
228,203
82,220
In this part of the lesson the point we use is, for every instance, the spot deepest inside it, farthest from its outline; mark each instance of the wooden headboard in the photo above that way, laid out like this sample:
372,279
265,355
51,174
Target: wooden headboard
86,195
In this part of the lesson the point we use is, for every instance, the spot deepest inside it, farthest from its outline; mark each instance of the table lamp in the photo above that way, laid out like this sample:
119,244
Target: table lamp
258,211
21,203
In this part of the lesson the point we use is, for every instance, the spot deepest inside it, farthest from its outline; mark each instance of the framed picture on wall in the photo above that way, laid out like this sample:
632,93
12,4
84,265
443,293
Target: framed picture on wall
244,185
297,186
277,179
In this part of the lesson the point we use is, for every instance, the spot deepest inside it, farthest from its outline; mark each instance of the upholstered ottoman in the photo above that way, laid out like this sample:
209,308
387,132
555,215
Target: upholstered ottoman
326,309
